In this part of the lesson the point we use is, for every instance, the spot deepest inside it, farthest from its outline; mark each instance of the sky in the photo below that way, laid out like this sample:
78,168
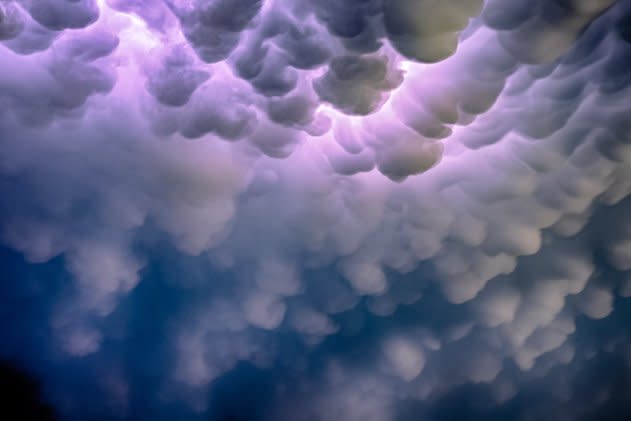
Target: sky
287,210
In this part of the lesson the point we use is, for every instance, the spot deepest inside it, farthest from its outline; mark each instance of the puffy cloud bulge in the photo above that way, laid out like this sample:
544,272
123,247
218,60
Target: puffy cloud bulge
349,210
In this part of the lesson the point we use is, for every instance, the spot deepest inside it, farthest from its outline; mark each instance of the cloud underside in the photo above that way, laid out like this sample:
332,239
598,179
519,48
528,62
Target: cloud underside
358,210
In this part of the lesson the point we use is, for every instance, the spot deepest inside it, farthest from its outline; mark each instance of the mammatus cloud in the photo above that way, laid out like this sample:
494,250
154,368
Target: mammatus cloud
359,210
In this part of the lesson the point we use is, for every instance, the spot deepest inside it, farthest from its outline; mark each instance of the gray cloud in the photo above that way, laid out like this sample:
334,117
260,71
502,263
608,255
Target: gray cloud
175,80
356,85
62,14
292,189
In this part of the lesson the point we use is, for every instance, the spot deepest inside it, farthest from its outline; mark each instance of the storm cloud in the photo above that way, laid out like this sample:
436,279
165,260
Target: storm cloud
295,209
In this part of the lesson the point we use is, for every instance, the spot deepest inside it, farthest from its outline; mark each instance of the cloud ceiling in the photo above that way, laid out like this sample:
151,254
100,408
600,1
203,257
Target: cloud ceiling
374,203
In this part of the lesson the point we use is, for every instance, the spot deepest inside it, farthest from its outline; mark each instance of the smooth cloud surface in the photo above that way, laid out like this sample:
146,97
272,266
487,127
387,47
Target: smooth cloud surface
338,210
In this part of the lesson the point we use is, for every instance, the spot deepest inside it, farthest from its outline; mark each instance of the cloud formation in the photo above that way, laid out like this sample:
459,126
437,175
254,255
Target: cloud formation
353,210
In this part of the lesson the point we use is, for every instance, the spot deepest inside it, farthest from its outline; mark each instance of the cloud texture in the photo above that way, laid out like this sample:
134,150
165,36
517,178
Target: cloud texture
338,210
